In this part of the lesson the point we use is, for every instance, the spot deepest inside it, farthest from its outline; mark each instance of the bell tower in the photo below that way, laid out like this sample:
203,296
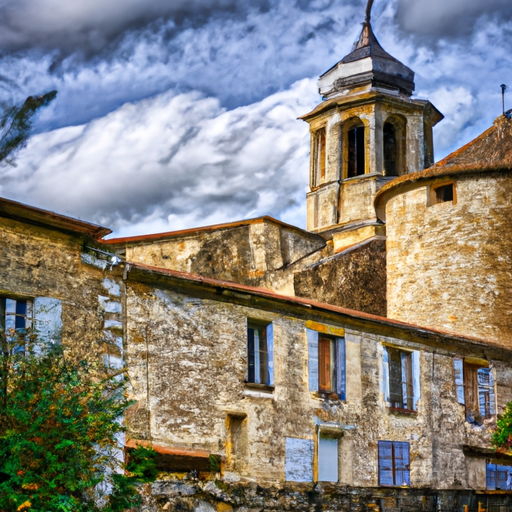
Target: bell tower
367,131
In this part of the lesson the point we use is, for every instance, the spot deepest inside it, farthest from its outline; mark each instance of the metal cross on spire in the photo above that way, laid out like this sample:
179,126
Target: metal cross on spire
369,10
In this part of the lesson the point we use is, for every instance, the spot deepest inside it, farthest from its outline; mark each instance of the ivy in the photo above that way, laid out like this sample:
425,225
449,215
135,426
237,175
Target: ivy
502,435
60,425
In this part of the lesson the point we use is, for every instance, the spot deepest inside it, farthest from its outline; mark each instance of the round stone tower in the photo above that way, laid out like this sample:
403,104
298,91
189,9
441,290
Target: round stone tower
449,240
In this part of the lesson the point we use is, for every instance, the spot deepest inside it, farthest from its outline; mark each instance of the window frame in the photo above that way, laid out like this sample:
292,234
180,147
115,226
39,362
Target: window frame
470,394
433,193
319,156
266,364
15,311
409,386
337,369
492,481
405,468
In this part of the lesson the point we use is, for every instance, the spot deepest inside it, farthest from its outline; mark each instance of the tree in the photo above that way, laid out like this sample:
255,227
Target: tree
16,124
60,423
502,436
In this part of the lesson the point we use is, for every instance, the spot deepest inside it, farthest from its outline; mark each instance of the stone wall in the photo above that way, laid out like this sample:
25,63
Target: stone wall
450,264
37,262
353,279
187,354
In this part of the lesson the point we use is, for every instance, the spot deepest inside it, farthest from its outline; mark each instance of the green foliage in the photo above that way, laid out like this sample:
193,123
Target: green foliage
16,124
60,421
502,436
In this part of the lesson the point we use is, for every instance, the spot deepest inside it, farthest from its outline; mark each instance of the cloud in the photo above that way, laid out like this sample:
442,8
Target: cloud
172,161
449,19
90,25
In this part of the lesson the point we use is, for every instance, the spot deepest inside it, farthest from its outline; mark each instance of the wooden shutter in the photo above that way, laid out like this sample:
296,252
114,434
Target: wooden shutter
312,359
324,364
386,467
341,369
458,372
492,393
270,354
407,388
471,389
48,320
395,378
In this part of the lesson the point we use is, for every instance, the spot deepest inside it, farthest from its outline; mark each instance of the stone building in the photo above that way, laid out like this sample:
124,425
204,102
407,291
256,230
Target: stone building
356,365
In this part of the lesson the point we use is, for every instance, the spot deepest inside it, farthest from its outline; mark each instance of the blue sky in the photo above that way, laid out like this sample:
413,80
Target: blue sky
180,114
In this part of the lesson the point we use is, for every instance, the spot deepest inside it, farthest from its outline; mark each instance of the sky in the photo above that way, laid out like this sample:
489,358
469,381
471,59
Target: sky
183,113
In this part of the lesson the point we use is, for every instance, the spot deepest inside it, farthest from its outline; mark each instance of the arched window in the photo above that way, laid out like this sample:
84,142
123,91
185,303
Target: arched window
356,164
394,146
320,157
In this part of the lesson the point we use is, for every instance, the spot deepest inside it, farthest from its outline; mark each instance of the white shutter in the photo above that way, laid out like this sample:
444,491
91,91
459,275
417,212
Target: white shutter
270,354
48,320
313,359
416,378
458,372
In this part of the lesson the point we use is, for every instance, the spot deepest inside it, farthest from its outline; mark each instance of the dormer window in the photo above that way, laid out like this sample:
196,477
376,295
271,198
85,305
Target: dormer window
442,193
356,161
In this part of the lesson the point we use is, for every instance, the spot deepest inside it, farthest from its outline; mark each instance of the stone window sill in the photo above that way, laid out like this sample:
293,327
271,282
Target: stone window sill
399,412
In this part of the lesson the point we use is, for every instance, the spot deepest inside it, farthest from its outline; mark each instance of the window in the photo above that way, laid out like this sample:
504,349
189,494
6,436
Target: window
442,194
20,317
401,378
394,146
15,320
474,385
320,163
356,151
498,477
327,458
260,350
326,363
394,464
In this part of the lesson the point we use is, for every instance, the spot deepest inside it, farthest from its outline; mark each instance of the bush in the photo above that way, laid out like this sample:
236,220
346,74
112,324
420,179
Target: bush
60,427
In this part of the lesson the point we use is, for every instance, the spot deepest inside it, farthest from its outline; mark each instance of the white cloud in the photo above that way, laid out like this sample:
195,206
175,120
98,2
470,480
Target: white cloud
171,162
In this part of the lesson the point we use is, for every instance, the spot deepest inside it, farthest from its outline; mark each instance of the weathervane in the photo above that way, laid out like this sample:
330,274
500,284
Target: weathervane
369,11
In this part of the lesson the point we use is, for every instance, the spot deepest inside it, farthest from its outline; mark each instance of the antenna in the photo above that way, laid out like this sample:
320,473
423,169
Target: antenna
369,11
503,89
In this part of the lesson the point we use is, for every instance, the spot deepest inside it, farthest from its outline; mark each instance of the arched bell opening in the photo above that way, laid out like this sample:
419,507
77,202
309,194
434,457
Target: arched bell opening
394,132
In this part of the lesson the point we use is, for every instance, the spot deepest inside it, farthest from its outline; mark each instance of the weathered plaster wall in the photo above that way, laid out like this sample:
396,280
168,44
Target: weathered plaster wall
187,358
256,254
450,265
354,279
38,262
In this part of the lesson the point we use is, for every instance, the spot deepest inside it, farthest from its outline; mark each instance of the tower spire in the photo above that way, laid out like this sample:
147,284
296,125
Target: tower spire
369,11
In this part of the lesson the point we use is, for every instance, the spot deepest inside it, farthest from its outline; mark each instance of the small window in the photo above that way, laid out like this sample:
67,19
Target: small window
401,375
390,150
474,384
356,151
260,351
442,194
498,477
394,464
327,458
15,321
326,363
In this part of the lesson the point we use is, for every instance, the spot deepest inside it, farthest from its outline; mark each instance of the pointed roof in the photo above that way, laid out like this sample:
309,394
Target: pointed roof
367,63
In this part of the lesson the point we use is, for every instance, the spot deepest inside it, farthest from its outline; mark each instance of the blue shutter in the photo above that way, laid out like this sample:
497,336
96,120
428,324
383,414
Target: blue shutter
402,473
299,460
250,354
404,366
341,378
386,475
458,371
313,359
492,394
490,476
416,378
48,320
270,354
